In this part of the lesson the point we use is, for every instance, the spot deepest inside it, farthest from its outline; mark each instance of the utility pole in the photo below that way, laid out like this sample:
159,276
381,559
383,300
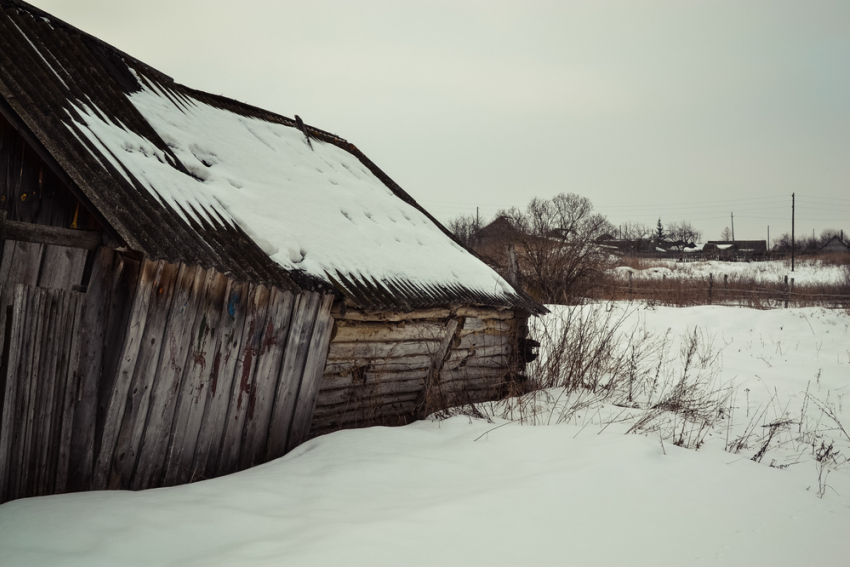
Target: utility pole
792,232
477,222
733,226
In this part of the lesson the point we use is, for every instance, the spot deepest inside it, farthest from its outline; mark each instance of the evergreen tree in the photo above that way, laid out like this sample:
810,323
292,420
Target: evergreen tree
659,231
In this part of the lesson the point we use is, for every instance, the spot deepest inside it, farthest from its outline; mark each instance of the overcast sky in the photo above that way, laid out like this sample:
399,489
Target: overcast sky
683,110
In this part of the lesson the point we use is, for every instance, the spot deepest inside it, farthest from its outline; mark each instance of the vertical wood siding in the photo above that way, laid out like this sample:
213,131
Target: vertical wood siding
41,386
159,374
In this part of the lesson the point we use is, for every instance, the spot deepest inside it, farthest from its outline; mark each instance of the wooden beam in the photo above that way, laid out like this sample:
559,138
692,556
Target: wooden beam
43,234
393,316
436,368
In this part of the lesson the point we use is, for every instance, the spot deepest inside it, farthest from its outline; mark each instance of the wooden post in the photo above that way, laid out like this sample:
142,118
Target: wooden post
786,292
792,236
710,286
631,291
436,366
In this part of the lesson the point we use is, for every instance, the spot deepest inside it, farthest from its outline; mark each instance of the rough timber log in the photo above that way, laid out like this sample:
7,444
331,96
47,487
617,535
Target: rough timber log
42,234
378,362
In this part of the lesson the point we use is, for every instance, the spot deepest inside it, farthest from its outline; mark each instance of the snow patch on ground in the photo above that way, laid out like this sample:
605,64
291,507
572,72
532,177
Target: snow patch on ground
806,272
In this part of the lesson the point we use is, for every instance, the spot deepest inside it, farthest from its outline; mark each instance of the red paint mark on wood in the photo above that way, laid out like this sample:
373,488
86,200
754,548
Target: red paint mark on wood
244,386
252,402
200,358
270,338
214,373
172,347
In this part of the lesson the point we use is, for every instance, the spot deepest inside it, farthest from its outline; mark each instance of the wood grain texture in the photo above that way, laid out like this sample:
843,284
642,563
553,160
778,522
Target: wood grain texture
30,385
82,457
304,313
125,280
193,396
51,345
149,279
264,391
399,408
222,373
62,267
243,382
480,340
84,375
166,377
344,381
11,397
375,350
394,316
313,367
43,234
384,332
439,358
138,397
484,313
408,363
20,264
367,396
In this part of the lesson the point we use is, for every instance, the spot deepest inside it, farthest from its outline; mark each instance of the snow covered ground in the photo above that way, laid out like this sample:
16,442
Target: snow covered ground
471,491
806,271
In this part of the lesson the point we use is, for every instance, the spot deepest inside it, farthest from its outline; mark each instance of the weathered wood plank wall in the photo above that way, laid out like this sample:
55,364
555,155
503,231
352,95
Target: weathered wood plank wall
388,368
160,374
42,386
201,363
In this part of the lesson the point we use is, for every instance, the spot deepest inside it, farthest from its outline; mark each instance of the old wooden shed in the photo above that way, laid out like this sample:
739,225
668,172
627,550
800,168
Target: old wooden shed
190,285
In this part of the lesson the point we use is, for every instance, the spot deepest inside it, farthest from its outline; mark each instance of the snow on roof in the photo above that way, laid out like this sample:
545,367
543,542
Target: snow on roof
191,177
724,246
319,210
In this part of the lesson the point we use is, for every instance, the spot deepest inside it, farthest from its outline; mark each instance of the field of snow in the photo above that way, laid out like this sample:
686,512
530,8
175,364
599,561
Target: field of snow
806,271
573,489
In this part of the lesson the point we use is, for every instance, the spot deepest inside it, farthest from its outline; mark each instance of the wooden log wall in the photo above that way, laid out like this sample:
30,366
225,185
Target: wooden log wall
391,368
177,373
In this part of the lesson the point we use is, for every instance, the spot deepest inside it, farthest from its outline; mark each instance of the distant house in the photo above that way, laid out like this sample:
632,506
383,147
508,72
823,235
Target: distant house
735,249
498,233
190,286
834,245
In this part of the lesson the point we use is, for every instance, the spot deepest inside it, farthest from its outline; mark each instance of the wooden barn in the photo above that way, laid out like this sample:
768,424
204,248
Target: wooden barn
190,286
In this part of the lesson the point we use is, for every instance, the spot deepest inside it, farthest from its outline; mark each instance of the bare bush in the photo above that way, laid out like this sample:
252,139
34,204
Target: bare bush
556,242
593,355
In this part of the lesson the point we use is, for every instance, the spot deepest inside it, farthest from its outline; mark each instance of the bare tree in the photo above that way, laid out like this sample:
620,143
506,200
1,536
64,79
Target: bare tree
464,227
782,244
683,231
556,244
635,231
726,234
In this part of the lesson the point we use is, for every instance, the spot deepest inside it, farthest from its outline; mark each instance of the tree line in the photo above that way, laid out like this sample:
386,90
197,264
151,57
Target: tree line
556,249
